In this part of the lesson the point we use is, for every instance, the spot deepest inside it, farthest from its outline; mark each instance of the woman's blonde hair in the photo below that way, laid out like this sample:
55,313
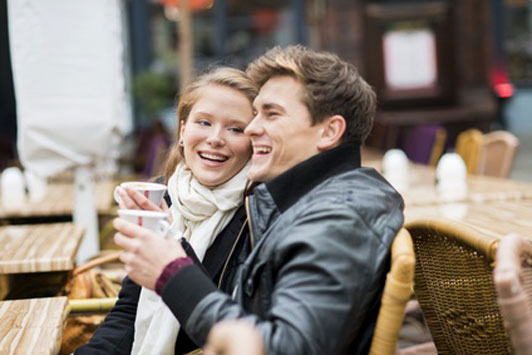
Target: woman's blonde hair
222,76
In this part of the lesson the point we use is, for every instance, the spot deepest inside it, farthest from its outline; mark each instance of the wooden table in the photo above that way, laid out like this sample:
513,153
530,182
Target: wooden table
421,189
494,218
35,260
32,326
39,247
479,189
59,201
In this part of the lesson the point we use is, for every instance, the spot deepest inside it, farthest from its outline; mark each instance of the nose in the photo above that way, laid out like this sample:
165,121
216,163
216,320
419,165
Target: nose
254,128
216,138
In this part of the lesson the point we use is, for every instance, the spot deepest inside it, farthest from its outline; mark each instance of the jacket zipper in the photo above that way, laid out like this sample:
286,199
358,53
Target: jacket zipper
251,237
251,240
231,253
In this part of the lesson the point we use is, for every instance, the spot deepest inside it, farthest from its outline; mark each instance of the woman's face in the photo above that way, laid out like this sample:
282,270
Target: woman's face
214,144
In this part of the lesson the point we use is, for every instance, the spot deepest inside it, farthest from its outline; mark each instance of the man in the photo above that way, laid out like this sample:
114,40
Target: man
321,226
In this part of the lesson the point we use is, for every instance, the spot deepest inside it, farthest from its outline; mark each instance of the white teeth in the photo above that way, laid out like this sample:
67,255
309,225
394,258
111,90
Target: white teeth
262,150
213,157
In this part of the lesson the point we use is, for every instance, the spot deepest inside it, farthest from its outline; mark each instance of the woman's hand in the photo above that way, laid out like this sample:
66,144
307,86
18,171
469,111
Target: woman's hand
145,253
133,200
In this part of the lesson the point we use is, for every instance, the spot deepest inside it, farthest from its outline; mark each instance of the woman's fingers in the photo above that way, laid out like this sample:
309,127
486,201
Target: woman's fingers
129,245
132,230
141,201
164,206
126,202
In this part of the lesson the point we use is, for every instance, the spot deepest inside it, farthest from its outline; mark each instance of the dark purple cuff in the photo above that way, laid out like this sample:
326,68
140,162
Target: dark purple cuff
169,270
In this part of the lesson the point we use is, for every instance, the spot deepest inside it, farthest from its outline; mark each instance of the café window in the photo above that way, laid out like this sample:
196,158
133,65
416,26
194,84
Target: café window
518,40
407,50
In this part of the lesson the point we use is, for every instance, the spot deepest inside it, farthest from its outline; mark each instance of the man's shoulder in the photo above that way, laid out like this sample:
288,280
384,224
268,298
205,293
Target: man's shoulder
354,188
362,194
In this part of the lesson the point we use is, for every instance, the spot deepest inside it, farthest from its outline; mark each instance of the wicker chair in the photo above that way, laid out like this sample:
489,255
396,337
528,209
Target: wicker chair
497,153
397,292
468,145
455,289
513,281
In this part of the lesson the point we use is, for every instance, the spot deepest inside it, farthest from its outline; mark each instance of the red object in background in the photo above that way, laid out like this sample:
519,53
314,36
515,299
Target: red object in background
501,85
193,5
504,90
265,20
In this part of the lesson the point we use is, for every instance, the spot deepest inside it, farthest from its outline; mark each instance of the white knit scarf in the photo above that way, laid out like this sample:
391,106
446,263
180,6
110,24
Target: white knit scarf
199,214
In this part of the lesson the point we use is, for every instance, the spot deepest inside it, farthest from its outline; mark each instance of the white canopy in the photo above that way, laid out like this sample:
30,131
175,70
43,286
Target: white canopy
68,59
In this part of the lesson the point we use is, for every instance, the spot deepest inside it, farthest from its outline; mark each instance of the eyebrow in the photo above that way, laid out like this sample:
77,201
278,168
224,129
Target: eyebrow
202,113
237,122
270,106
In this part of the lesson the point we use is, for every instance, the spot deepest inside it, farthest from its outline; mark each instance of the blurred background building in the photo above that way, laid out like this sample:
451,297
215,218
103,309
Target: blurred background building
451,64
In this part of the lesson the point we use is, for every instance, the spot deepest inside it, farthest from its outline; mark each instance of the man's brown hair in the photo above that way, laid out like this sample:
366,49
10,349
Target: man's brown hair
332,86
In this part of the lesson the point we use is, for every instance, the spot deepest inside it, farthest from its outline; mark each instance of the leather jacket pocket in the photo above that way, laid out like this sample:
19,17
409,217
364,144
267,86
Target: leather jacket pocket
259,286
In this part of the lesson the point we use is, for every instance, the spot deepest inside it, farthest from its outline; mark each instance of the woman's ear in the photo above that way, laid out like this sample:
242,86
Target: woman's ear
331,132
181,129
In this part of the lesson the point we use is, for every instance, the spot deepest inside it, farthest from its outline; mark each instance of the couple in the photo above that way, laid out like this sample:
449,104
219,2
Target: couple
303,258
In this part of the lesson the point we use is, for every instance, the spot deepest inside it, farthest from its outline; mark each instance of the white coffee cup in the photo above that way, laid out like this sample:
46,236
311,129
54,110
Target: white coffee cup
153,191
154,221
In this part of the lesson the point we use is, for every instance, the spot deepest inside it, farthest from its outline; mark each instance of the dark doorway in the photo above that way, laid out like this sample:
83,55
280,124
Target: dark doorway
8,118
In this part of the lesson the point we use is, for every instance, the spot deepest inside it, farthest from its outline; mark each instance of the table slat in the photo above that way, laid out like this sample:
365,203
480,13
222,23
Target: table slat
32,326
59,201
39,247
495,218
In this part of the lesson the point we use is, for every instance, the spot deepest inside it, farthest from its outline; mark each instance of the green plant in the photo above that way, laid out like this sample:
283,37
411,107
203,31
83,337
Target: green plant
154,91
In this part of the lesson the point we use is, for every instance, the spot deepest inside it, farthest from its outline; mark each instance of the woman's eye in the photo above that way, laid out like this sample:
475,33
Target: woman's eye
272,114
204,123
236,129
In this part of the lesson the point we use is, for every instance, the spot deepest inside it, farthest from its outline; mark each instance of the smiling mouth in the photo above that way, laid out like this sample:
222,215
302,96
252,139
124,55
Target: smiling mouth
262,150
213,157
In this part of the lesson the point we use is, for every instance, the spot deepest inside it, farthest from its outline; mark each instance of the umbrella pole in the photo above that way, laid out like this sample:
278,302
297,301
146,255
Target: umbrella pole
184,26
85,212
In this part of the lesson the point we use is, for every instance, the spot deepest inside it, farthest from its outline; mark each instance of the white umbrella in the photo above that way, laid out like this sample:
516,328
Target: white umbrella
68,59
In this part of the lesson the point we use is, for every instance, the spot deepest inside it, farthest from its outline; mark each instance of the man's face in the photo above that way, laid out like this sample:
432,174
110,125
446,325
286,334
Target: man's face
281,133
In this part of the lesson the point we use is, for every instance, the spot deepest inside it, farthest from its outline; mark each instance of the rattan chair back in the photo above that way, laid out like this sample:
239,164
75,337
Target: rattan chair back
397,291
468,146
454,286
513,281
438,147
497,153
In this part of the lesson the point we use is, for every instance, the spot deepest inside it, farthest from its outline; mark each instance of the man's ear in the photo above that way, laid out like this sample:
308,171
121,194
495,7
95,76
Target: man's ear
331,132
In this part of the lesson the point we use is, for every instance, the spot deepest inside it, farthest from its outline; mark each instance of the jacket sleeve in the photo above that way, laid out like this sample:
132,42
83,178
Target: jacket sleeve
326,267
115,335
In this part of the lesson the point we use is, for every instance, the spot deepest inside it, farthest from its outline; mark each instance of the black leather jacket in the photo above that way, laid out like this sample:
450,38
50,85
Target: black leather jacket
322,233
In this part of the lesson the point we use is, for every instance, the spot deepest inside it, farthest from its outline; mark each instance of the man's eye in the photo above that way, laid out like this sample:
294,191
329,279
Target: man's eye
272,114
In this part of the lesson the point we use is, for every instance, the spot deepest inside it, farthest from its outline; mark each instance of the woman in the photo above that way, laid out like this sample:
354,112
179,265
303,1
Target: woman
206,177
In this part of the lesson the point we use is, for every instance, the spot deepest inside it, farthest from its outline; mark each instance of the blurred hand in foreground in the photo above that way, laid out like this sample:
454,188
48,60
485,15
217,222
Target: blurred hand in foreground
235,337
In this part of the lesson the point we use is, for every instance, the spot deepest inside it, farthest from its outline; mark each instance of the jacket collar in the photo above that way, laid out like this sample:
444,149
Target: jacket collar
288,187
